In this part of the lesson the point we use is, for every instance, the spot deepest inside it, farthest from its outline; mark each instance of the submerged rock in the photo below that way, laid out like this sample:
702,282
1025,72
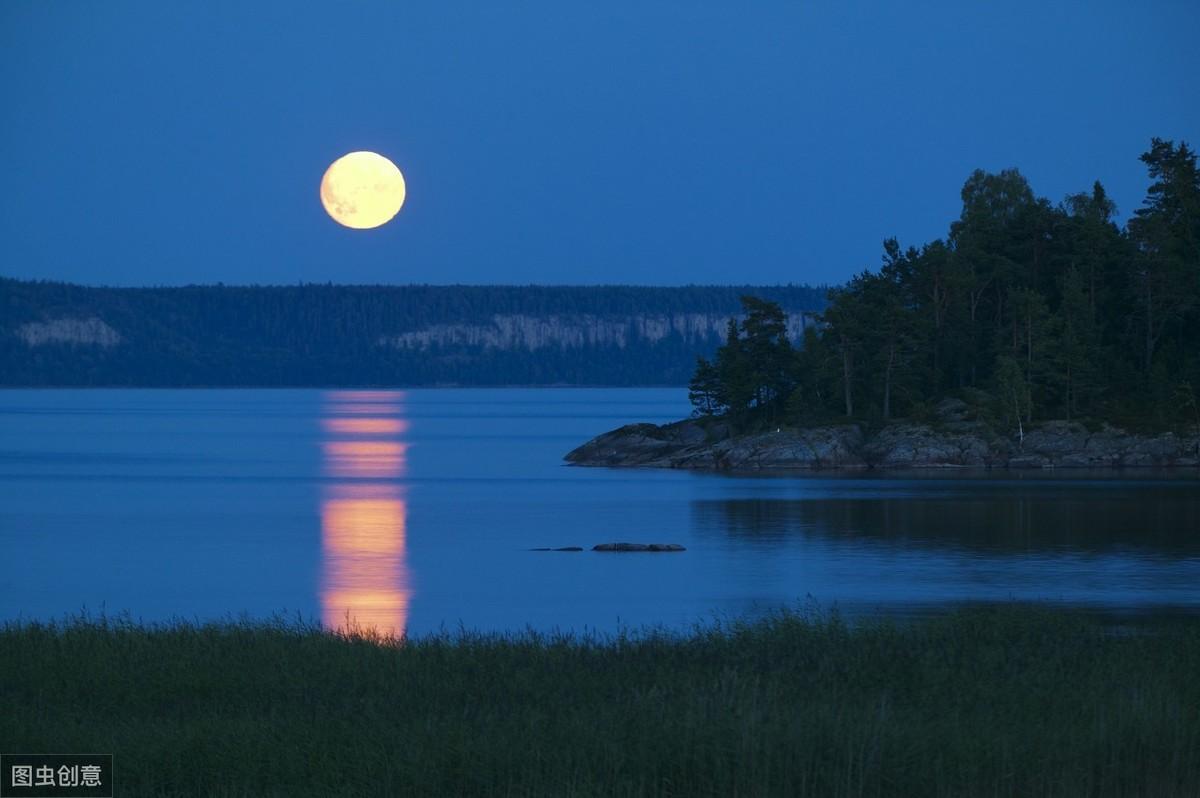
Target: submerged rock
638,547
560,548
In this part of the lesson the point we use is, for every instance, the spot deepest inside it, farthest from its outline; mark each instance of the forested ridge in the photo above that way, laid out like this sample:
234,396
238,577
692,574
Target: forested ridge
1027,310
333,335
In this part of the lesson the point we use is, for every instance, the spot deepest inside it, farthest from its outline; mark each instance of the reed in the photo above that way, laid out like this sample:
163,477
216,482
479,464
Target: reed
1012,700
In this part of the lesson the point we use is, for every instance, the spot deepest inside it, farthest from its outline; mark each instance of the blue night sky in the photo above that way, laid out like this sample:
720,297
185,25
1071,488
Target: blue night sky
654,143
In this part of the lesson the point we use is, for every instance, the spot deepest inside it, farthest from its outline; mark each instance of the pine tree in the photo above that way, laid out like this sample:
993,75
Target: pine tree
1167,234
735,389
704,390
1076,353
768,354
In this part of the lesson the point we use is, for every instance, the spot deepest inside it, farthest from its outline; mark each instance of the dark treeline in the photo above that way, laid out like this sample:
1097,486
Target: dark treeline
321,335
1028,310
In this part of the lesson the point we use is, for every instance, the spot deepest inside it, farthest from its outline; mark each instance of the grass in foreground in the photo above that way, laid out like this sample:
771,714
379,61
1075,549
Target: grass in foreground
1004,701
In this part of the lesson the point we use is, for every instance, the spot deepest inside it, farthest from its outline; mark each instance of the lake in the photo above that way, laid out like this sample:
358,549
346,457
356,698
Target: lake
414,511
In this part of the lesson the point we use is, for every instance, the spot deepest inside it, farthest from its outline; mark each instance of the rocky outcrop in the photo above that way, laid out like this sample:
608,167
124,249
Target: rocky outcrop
924,446
691,444
643,445
90,332
1069,445
819,447
951,444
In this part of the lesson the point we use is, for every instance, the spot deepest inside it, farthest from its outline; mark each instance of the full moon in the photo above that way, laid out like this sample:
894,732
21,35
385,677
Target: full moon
362,190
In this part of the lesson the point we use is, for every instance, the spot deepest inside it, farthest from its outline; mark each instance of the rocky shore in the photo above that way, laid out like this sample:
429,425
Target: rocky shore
697,444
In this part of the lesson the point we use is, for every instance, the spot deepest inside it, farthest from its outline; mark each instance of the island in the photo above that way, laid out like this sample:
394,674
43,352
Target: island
1032,335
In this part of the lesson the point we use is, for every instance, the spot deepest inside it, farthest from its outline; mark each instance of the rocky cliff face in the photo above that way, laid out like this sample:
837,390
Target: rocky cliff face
88,332
1058,444
574,331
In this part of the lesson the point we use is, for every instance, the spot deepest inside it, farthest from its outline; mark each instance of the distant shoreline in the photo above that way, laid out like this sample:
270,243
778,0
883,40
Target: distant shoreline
57,334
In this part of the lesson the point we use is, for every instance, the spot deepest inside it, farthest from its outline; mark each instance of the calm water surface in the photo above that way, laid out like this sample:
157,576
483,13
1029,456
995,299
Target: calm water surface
415,511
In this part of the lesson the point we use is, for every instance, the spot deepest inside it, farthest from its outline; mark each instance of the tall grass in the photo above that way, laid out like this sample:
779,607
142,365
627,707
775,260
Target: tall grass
1002,701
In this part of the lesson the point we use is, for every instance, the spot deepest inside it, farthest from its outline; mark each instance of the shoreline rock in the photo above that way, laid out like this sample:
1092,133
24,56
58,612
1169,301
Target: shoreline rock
693,444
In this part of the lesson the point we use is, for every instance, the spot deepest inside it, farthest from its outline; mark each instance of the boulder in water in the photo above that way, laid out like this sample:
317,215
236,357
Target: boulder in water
638,547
